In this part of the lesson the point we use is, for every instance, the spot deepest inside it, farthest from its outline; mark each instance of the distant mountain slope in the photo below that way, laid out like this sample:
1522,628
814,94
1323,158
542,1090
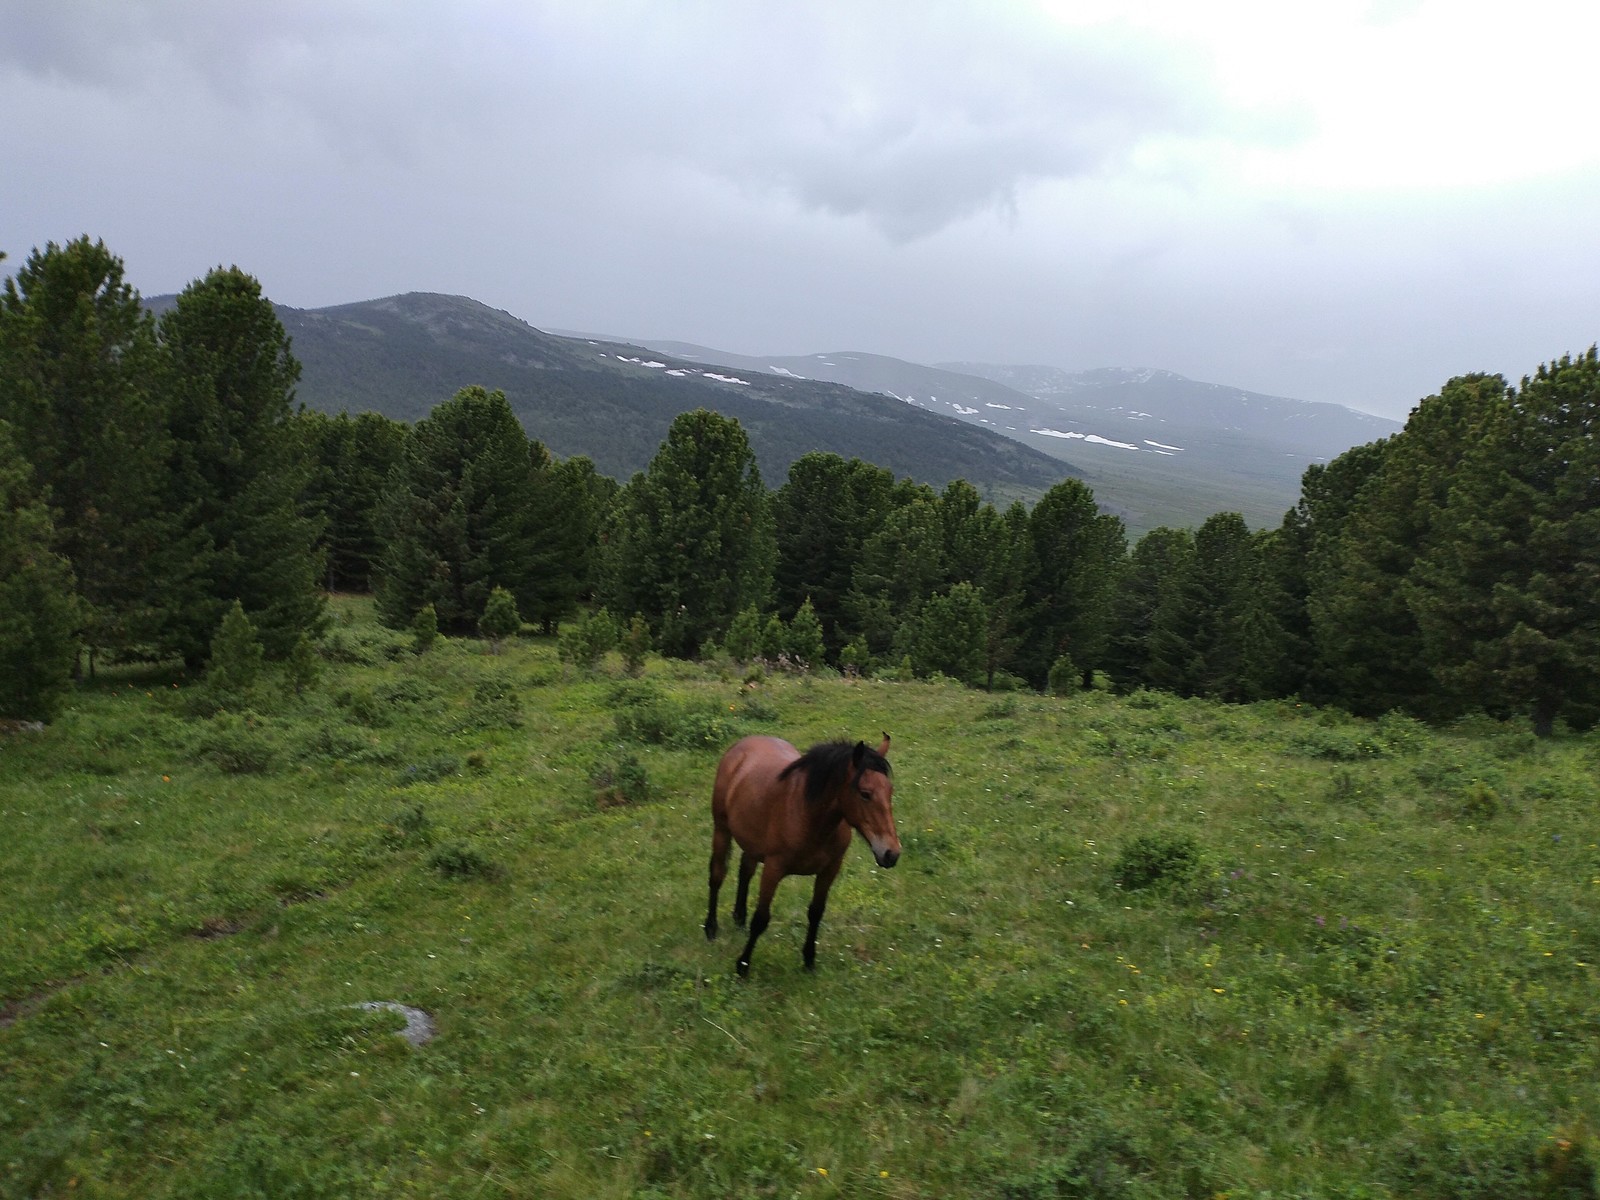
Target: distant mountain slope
1156,447
1162,397
402,355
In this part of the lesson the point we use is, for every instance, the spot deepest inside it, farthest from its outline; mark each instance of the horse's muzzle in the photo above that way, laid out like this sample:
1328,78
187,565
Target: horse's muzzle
887,858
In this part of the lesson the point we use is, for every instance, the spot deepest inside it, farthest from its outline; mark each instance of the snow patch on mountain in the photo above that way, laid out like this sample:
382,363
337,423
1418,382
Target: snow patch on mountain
1092,438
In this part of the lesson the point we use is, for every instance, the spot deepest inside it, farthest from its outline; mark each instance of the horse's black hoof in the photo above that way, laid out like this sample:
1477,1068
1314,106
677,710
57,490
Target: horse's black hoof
743,967
711,931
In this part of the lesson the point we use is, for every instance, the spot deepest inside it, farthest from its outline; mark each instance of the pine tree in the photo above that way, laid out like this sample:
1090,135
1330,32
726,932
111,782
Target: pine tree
804,642
823,516
1076,552
564,503
591,639
946,635
902,564
693,540
967,531
459,518
1157,557
635,643
1165,599
38,607
78,387
242,471
1369,646
1507,595
236,658
303,667
500,618
743,640
424,629
1004,582
354,459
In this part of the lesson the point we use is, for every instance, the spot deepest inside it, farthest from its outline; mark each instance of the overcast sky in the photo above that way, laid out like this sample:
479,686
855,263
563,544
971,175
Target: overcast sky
1330,201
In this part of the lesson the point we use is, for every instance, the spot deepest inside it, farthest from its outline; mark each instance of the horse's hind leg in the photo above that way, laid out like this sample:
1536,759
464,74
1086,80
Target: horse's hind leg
747,868
770,875
719,871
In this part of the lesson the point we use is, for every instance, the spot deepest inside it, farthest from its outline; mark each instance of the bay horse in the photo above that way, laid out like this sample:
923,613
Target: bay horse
793,813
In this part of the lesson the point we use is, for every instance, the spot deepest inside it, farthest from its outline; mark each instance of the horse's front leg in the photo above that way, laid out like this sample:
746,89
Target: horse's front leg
771,873
747,868
819,903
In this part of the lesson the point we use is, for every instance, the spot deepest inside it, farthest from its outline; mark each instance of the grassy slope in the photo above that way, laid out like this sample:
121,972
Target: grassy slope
1379,981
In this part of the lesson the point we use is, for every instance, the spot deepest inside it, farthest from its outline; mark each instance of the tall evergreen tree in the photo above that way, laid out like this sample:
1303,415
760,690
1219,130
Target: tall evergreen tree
38,604
1302,552
565,504
693,541
242,473
77,359
967,528
1369,652
1174,659
1152,634
1004,582
1240,643
354,459
1507,595
947,634
823,516
459,517
902,564
1076,553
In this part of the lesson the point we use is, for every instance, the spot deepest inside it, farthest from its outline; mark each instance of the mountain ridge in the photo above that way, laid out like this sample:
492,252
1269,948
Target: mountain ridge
1156,447
614,401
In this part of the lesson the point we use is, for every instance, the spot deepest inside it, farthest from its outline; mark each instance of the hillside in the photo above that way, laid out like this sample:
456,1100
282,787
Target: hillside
402,355
1135,946
1157,448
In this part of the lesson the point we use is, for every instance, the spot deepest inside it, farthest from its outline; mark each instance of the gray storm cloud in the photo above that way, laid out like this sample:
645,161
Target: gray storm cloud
1289,199
903,118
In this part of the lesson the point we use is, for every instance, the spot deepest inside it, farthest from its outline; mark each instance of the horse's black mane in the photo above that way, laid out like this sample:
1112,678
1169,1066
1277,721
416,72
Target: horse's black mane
828,764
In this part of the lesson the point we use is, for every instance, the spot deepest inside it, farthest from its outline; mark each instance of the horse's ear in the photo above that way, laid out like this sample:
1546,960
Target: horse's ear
858,755
883,750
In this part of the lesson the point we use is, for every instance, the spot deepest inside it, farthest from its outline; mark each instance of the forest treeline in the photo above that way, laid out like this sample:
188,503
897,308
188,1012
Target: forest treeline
156,472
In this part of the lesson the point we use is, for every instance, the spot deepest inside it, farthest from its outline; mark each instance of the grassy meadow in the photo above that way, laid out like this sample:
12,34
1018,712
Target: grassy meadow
1136,946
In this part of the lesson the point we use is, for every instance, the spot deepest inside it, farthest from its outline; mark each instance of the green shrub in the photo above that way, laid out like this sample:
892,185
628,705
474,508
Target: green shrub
1157,861
236,658
1338,745
757,707
620,782
303,668
424,629
856,658
408,827
1474,1156
683,725
236,743
367,646
1064,677
363,707
500,619
494,705
431,770
583,645
458,860
635,643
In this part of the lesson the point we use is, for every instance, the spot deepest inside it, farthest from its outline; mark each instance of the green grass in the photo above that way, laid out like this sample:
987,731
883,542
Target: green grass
1345,958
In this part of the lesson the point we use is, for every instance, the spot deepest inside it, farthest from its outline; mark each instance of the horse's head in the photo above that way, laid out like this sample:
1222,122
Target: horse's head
869,801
